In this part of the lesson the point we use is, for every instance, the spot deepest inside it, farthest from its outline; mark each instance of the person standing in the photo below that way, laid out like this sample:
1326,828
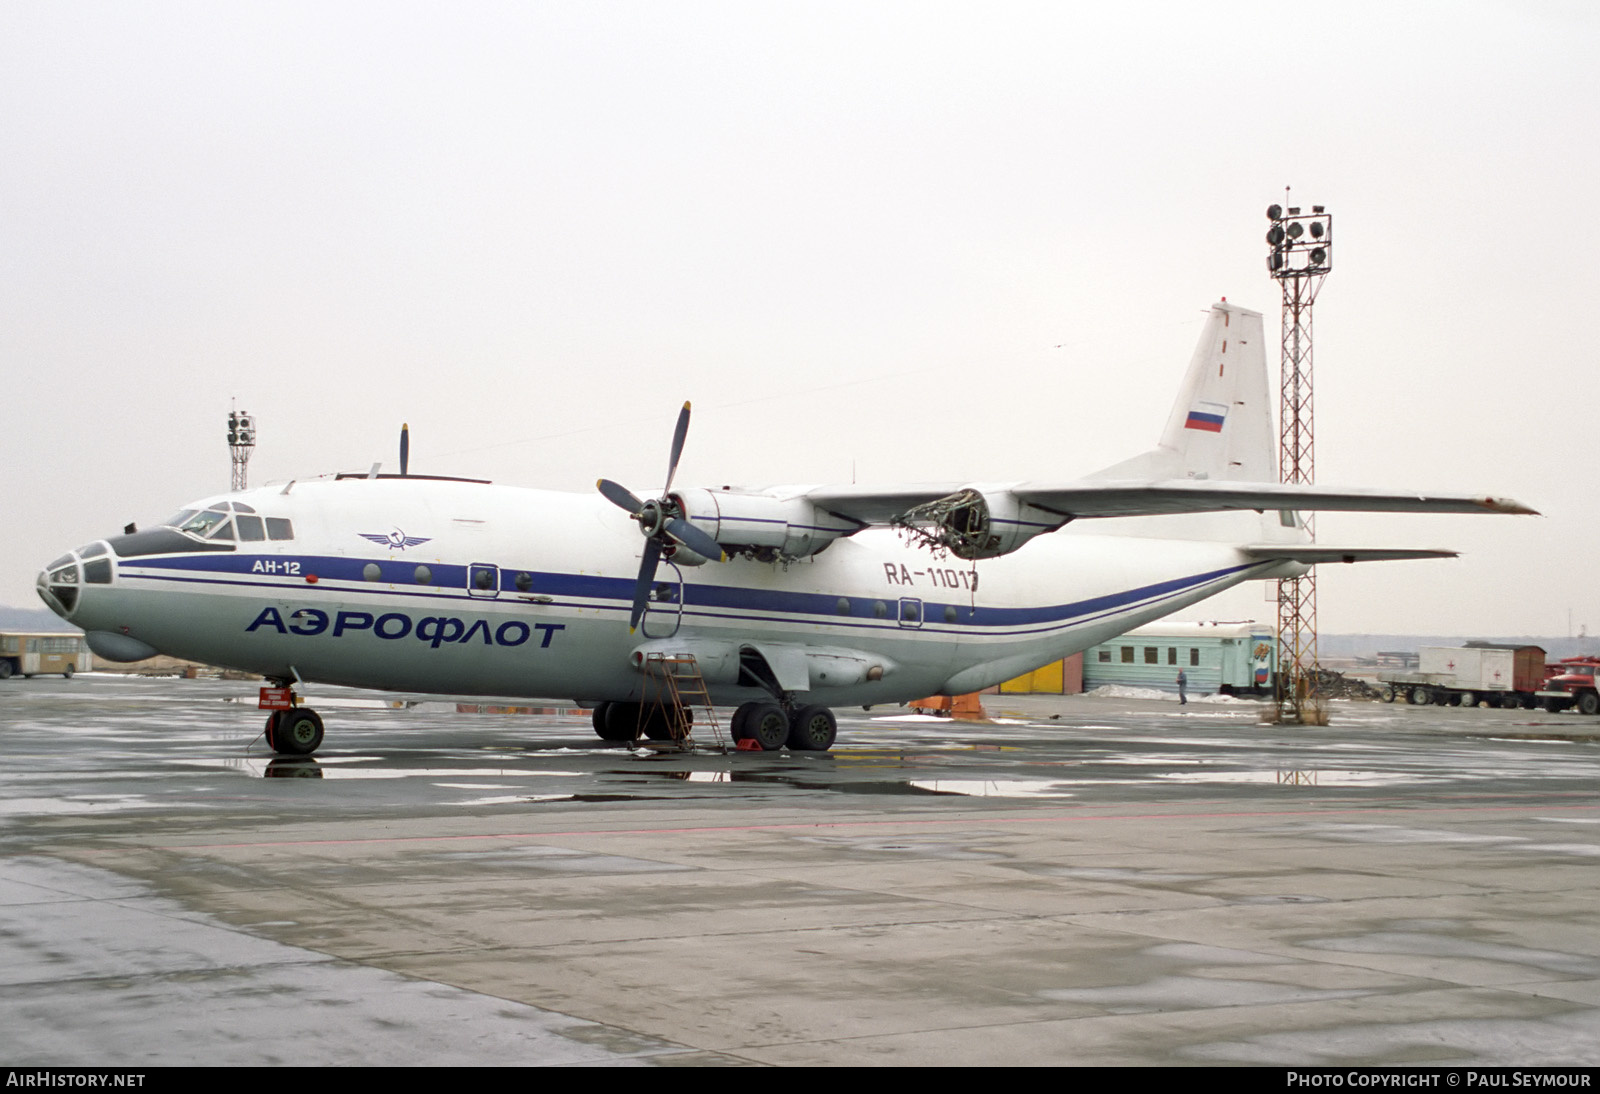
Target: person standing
1183,682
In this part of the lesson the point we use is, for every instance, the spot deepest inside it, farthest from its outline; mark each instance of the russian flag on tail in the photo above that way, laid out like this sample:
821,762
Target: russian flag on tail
1207,417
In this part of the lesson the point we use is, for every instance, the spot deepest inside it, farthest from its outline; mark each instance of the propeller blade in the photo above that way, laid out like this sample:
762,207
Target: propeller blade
405,448
620,496
696,540
647,578
678,435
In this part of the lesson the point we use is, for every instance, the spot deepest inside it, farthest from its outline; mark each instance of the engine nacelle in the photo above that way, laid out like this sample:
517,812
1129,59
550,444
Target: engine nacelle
786,527
975,523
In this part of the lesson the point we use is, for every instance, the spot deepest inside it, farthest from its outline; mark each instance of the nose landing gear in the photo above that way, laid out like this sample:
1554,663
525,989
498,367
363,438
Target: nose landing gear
291,730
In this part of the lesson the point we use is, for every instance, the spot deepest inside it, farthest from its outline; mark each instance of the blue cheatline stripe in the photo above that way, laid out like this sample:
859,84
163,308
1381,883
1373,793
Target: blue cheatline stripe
711,601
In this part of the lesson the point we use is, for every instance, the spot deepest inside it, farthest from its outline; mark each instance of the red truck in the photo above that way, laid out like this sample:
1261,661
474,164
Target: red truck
1571,684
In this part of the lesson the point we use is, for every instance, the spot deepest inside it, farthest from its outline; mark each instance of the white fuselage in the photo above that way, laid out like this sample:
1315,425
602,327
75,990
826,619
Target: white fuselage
469,588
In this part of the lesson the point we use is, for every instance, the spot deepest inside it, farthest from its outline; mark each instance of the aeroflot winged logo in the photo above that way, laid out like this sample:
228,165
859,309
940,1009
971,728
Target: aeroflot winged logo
395,540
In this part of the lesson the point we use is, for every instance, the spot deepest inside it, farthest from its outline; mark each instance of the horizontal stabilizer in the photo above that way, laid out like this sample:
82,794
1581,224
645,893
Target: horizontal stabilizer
1138,499
1310,553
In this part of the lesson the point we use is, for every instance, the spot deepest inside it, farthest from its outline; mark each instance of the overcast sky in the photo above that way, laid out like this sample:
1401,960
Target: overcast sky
913,241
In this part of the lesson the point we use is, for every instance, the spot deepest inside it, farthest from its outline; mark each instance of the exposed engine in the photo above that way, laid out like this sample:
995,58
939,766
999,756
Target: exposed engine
973,524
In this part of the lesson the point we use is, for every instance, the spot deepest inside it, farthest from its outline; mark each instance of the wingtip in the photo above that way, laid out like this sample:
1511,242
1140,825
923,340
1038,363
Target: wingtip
1510,506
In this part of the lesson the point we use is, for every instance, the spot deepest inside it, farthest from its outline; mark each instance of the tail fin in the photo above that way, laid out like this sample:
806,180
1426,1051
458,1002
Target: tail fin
1221,425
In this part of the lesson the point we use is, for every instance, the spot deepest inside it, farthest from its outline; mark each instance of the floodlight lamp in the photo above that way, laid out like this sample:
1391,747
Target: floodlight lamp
1275,261
1295,229
1274,212
1294,210
1317,208
1275,235
1316,229
1319,255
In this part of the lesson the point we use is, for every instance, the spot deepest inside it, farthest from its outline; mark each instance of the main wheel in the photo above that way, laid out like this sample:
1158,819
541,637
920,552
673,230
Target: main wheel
1556,706
658,722
67,672
812,729
768,726
736,724
271,732
1420,697
1390,694
1468,699
1589,703
609,728
298,732
622,721
5,670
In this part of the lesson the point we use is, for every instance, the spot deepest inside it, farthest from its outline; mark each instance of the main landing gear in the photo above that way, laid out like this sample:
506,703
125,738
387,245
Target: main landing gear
769,727
293,732
629,721
765,724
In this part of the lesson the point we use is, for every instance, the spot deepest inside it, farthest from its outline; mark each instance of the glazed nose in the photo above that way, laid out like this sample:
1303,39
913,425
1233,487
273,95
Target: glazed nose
58,585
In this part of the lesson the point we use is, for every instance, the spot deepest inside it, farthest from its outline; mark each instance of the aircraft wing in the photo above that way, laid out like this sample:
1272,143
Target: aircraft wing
1129,498
1315,552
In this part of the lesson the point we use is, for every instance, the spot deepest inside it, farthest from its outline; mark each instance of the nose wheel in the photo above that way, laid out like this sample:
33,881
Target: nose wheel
295,732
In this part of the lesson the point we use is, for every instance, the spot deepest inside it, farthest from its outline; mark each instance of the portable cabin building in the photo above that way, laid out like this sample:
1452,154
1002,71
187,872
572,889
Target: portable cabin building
1230,658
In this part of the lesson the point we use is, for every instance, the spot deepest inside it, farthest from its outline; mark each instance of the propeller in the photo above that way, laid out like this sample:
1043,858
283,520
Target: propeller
405,448
661,521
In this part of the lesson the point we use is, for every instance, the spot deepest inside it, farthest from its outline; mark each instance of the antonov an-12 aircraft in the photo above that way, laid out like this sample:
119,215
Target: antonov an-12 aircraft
791,600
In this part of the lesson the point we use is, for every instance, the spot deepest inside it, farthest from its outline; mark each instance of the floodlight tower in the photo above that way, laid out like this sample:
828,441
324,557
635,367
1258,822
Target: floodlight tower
1302,255
241,442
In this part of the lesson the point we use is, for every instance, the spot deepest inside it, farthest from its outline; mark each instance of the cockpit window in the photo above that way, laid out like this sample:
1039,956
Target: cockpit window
202,522
223,531
177,519
279,528
241,507
250,529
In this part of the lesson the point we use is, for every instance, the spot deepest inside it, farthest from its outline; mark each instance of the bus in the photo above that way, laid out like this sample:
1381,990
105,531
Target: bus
31,653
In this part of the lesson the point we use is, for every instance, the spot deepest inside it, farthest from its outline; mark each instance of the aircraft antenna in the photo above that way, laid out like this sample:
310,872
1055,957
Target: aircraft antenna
1301,257
241,442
